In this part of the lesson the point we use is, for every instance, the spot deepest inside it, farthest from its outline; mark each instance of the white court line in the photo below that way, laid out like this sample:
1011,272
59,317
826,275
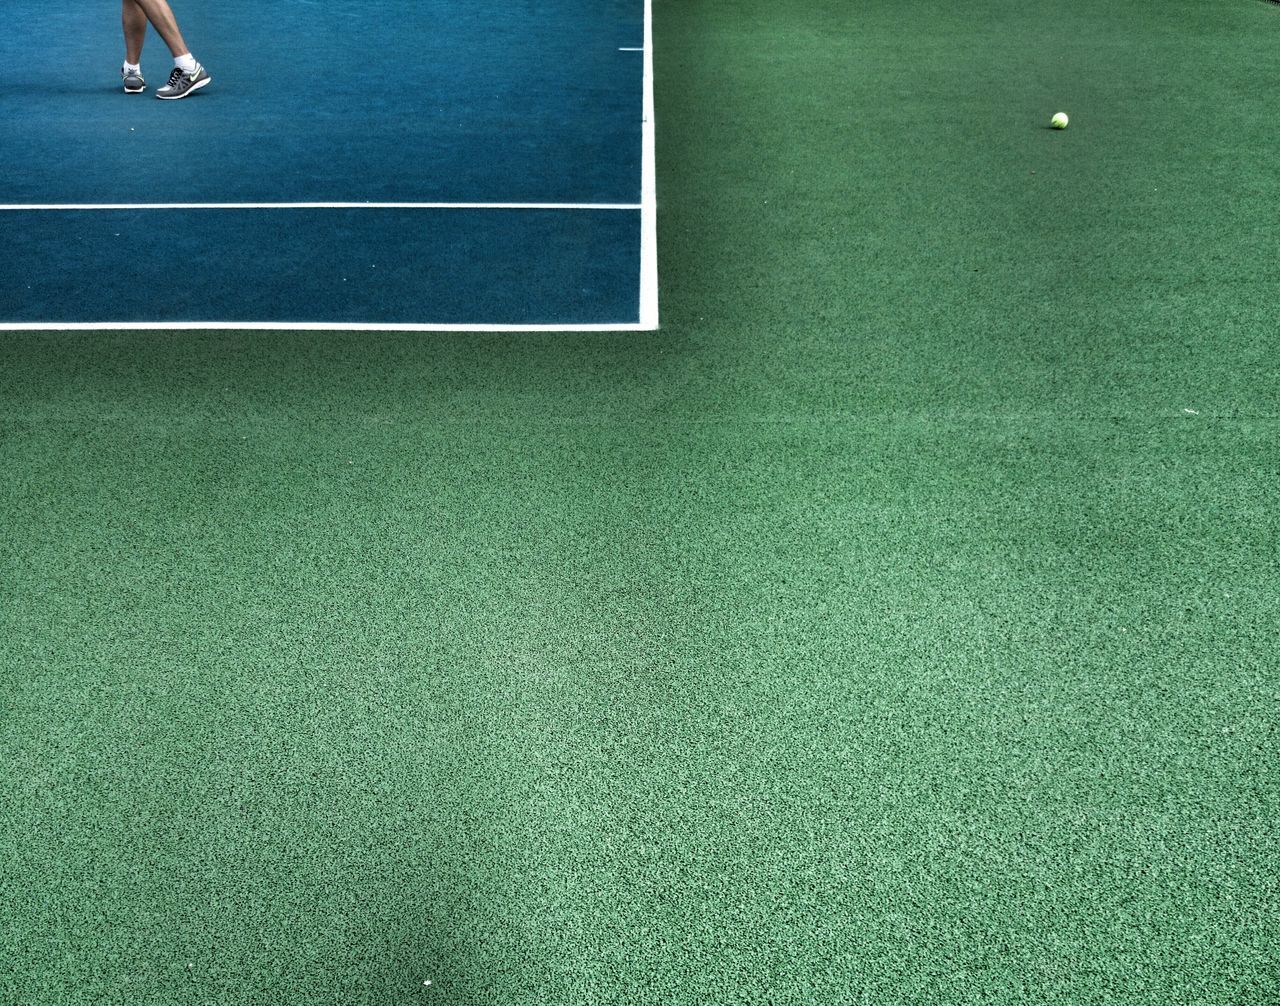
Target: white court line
649,190
300,326
41,207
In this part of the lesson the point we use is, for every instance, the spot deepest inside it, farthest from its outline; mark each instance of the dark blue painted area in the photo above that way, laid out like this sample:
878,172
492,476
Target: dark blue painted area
331,266
414,100
406,101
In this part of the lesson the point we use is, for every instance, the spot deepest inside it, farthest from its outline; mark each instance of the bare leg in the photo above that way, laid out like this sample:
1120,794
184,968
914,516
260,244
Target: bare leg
135,30
161,17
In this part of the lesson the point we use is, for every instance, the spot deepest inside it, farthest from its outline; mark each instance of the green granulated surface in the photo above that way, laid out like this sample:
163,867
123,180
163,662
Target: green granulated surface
897,625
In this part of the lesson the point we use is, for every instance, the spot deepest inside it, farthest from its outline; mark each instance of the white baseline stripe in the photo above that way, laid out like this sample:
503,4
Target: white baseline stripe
300,326
649,190
31,207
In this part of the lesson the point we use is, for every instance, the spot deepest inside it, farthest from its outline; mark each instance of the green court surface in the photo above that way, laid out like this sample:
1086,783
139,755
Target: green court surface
896,625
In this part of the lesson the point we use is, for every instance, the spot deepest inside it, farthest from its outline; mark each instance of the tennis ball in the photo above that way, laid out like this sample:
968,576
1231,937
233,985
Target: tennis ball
1060,120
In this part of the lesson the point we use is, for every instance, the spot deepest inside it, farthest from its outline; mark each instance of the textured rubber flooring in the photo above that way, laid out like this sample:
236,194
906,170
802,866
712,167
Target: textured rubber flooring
897,625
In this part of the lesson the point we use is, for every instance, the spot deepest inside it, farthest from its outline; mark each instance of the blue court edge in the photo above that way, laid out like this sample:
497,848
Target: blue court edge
504,267
446,101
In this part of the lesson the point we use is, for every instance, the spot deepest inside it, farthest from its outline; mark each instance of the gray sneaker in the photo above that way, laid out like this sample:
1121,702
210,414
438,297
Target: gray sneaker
133,82
182,84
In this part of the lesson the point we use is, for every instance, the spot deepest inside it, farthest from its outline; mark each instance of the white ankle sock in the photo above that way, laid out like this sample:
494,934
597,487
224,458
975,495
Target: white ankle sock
131,67
186,64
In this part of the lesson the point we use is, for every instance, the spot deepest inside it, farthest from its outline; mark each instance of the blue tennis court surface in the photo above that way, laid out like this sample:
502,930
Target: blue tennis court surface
437,164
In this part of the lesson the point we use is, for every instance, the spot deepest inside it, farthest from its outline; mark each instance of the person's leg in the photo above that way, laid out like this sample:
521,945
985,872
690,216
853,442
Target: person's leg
135,33
160,14
188,75
135,30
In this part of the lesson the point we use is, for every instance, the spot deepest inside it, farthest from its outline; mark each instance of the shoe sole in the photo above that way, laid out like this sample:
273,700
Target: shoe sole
134,90
189,91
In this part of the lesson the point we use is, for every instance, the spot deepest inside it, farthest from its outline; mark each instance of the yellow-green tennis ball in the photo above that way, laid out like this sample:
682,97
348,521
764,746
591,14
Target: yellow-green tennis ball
1060,120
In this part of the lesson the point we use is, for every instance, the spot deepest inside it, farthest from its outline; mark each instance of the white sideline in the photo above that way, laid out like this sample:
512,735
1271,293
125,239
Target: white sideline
298,326
649,190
